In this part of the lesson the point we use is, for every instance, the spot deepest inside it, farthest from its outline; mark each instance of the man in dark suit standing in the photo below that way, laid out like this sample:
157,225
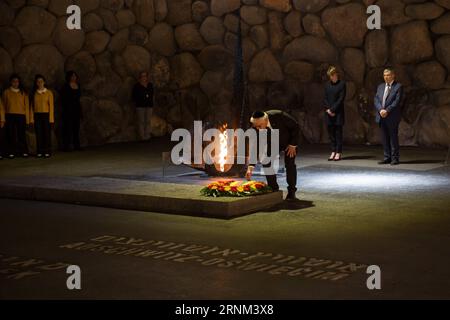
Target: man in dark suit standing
389,114
288,133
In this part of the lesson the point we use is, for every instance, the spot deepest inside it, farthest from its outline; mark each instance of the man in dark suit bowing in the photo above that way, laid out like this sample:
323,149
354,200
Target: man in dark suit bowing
389,114
288,134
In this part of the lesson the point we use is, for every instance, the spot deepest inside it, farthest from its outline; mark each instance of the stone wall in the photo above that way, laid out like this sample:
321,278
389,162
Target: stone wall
188,45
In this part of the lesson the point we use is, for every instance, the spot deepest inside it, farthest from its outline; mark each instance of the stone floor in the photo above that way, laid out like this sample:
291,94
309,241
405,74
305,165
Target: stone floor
351,215
142,159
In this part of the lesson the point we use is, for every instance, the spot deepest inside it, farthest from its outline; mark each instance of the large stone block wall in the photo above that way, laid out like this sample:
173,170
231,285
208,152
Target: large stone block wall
188,45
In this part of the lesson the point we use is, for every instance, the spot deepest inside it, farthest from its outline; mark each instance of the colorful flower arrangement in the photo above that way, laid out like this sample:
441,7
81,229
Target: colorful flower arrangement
233,188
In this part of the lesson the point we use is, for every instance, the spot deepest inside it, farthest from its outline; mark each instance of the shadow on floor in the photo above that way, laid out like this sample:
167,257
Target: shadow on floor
291,205
422,162
359,158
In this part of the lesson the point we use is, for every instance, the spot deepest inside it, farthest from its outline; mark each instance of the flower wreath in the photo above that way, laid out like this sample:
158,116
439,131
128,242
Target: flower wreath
235,189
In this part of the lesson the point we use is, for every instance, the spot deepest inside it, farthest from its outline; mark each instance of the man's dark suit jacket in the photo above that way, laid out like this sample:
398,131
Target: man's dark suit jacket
392,106
288,127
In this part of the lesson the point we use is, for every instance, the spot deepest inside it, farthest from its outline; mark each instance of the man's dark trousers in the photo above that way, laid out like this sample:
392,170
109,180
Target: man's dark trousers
390,140
291,175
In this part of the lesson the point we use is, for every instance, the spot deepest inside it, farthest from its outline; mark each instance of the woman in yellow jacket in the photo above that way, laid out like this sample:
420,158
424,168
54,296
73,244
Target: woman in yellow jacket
17,117
43,108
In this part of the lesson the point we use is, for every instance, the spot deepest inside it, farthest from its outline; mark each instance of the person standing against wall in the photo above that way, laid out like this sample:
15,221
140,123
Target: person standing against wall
2,125
71,112
42,104
388,101
335,91
143,99
17,116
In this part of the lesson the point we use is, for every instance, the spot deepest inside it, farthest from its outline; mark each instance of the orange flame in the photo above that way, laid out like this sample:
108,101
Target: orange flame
223,154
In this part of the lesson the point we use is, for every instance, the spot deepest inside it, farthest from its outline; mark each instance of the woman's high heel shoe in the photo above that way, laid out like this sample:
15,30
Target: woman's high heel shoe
331,158
338,157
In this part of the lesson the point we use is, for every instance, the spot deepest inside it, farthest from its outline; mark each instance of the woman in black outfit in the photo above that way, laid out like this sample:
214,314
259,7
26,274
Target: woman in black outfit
335,92
71,112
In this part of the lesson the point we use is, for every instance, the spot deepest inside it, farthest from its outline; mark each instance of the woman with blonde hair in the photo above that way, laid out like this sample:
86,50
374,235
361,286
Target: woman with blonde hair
335,92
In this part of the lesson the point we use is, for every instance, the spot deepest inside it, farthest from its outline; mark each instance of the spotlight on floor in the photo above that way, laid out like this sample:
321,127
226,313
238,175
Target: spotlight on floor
373,181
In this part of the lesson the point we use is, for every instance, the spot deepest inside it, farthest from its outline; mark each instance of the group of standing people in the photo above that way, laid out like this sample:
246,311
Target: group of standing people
35,109
388,114
21,110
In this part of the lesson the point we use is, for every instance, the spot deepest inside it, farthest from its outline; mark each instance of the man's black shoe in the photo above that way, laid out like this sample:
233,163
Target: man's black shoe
291,197
395,163
388,161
